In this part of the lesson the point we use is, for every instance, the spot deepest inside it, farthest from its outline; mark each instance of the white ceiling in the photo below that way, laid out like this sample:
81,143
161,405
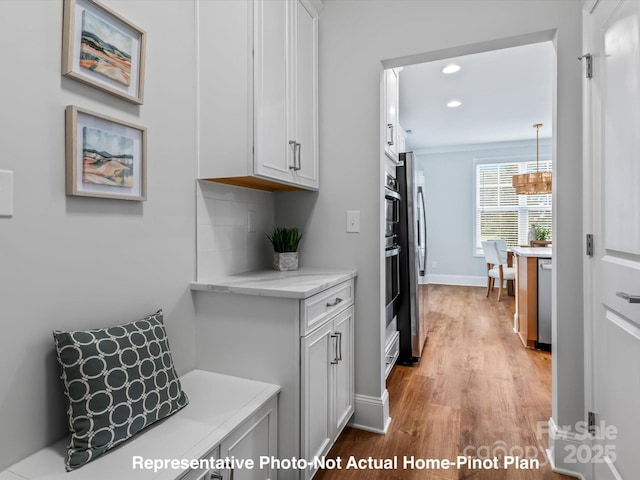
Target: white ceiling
503,93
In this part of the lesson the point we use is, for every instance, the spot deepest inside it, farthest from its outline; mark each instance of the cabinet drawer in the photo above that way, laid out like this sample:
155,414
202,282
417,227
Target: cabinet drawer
320,307
391,353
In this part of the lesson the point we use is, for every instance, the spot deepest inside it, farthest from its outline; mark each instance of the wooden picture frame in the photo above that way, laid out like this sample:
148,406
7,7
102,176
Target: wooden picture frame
103,49
105,157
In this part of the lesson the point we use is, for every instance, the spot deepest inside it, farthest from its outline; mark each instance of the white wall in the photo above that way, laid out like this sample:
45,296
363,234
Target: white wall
355,37
225,244
75,263
450,205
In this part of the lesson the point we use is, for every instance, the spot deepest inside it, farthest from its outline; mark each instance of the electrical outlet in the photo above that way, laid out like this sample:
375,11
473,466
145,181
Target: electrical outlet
434,264
353,221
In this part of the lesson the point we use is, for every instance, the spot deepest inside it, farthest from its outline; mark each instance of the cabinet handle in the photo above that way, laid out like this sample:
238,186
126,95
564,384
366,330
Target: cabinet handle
219,476
299,148
335,349
629,298
296,155
390,127
334,303
340,346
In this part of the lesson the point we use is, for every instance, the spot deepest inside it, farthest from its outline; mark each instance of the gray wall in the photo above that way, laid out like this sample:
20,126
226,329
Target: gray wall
75,263
450,205
51,276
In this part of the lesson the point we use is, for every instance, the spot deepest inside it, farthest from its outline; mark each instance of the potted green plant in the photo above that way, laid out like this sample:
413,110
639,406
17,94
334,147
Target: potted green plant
285,243
543,236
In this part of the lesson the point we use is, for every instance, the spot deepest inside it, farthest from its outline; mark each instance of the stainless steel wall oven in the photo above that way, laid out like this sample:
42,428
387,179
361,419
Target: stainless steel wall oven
392,247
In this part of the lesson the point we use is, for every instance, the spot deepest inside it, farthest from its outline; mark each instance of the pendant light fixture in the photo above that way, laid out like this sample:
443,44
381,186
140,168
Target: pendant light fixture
533,183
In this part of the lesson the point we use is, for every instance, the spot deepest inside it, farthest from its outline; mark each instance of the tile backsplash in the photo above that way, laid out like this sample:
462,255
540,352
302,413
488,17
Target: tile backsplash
232,223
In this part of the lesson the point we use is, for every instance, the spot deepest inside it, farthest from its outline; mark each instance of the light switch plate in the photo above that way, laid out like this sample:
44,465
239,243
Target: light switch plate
6,193
353,221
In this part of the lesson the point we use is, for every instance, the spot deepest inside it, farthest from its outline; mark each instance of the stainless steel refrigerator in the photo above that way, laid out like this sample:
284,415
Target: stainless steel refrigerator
412,309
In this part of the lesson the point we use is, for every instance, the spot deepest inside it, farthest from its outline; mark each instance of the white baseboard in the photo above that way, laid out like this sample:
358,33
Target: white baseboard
371,413
461,280
561,443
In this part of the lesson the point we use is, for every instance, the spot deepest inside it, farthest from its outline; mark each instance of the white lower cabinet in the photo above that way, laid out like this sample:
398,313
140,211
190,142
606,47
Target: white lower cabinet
226,418
304,345
253,440
327,384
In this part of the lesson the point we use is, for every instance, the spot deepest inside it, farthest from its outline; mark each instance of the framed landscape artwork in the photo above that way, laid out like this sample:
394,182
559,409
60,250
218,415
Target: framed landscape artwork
103,49
105,157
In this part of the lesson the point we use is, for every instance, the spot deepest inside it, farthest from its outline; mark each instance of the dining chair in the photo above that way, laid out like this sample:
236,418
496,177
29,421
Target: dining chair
501,243
497,268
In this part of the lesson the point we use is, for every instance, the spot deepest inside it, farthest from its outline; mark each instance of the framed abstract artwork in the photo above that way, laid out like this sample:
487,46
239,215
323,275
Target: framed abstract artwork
103,49
106,158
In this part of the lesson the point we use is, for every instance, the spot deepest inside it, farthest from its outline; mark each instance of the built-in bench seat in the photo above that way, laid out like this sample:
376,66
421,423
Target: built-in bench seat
221,408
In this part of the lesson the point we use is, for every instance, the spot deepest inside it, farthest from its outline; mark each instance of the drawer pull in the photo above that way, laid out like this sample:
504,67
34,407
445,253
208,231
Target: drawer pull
629,298
334,303
215,476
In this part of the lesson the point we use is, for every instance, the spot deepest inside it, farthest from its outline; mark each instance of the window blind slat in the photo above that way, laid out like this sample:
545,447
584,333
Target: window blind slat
500,212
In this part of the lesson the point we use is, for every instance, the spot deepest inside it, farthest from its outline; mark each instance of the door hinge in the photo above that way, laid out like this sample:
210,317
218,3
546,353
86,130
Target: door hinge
591,421
589,245
589,58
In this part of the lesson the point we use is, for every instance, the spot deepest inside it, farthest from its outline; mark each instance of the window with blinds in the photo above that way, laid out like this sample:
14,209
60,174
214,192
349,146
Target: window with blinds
500,212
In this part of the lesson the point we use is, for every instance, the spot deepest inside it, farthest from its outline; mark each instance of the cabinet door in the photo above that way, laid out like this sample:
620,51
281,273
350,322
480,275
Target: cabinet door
255,438
200,474
273,155
344,390
391,102
305,68
318,350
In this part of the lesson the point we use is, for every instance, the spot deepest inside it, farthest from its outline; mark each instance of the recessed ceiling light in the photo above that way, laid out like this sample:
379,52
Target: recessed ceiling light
454,103
451,68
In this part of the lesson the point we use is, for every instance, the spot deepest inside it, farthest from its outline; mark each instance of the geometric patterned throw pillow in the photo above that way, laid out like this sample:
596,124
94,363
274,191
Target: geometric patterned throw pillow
117,381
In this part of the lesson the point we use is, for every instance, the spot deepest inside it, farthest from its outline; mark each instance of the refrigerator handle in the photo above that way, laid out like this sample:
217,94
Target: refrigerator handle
422,232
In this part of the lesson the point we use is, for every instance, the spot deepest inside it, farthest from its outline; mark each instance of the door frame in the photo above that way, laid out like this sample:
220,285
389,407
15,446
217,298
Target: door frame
568,377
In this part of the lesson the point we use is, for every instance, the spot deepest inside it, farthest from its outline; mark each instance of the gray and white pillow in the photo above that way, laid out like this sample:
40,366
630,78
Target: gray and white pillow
117,380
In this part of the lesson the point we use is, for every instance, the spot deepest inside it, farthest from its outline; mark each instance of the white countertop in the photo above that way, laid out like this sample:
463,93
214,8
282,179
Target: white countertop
299,284
539,252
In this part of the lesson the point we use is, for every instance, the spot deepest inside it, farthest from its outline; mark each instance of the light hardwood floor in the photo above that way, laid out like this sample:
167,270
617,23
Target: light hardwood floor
476,392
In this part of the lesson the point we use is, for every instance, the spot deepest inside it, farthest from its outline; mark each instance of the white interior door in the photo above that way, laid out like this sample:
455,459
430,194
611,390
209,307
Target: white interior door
614,348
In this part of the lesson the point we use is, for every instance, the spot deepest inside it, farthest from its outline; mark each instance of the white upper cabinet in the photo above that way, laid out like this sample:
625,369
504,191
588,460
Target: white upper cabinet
273,155
392,102
305,84
258,65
